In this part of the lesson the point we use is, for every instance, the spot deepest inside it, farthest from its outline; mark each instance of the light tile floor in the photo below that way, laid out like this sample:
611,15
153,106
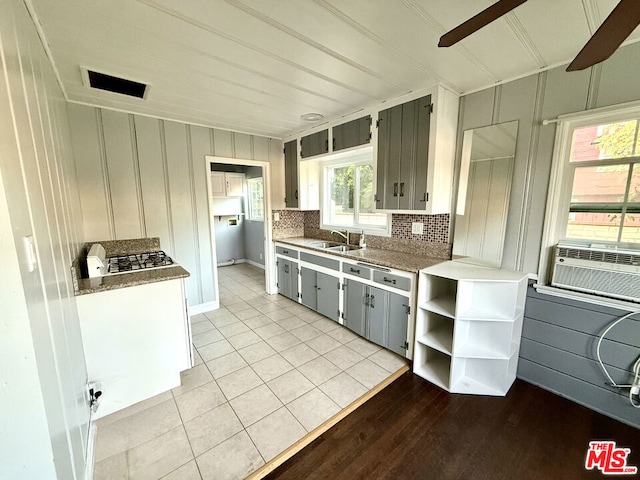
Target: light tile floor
268,371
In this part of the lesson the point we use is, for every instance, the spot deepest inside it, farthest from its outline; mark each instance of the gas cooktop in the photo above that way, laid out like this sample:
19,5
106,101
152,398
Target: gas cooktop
135,262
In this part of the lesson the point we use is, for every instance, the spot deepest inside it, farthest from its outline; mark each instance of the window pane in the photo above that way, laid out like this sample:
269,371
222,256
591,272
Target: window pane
594,226
599,142
256,199
599,184
341,204
366,215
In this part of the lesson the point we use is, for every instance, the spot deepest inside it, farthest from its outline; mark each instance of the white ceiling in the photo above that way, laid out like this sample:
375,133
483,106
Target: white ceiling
256,65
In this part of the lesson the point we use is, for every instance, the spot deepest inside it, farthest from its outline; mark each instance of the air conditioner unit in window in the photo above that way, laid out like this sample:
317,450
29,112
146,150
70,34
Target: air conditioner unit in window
606,270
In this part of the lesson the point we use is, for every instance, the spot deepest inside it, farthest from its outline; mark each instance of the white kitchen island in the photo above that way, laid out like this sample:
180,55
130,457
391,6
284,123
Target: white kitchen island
136,334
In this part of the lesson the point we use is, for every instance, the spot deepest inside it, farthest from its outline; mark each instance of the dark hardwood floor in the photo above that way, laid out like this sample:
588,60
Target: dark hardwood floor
414,430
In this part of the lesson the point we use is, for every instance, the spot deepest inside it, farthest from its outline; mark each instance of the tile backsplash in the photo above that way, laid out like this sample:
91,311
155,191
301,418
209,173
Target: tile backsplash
433,242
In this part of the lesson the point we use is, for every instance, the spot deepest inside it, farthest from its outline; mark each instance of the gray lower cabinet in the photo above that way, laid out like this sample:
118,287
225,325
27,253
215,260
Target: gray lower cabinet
288,278
320,292
376,314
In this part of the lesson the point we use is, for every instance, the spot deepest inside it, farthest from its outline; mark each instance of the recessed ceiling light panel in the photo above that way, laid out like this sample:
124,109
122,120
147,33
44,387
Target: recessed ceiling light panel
312,117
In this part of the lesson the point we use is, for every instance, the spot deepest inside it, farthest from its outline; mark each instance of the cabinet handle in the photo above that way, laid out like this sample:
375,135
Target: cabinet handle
286,252
402,189
227,188
371,297
286,269
355,270
395,189
296,194
389,280
318,288
326,145
366,298
424,197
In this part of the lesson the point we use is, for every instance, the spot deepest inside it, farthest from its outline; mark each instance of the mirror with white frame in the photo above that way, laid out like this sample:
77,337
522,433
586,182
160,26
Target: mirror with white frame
486,172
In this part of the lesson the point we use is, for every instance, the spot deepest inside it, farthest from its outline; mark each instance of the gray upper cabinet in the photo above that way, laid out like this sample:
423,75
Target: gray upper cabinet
403,154
291,174
352,134
314,144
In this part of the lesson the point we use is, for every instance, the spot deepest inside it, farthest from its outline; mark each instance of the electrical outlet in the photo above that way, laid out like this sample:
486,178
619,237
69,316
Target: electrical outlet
417,228
276,217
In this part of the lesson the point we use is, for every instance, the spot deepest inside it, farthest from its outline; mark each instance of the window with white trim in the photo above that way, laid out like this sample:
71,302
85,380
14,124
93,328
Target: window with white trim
594,190
255,199
348,194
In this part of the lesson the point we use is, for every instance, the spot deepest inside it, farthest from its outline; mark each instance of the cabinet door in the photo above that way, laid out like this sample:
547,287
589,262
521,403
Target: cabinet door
377,315
217,184
354,306
284,282
314,144
420,198
309,293
293,281
389,149
234,184
291,174
351,134
328,295
406,162
397,318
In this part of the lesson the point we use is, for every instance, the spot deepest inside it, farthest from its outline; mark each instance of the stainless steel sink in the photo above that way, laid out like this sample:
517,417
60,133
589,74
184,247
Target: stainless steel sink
334,246
325,244
343,248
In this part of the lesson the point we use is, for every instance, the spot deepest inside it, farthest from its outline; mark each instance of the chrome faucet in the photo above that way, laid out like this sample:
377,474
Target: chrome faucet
344,235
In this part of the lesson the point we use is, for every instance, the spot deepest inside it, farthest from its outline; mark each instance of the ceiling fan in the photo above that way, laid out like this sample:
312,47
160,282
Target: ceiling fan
624,18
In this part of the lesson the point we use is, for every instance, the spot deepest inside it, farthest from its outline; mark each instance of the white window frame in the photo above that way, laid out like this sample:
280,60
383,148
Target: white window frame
353,157
561,179
250,212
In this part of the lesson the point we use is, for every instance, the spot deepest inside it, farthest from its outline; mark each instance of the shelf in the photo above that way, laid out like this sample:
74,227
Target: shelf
470,385
442,305
474,350
440,339
435,371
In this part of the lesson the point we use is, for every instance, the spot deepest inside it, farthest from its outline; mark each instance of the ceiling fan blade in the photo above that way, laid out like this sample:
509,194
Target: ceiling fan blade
613,31
482,19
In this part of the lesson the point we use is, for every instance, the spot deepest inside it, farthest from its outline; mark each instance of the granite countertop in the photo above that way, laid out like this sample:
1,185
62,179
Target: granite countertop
408,262
131,279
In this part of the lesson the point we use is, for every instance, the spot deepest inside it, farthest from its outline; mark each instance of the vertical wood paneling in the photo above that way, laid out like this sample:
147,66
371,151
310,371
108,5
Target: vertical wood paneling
200,147
33,172
261,148
122,177
180,201
223,143
152,179
618,80
242,146
92,185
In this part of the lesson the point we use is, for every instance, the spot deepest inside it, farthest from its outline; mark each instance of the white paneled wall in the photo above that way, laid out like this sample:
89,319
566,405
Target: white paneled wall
146,177
45,415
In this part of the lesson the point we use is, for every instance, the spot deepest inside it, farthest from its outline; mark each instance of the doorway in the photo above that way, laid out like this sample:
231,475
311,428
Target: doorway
239,205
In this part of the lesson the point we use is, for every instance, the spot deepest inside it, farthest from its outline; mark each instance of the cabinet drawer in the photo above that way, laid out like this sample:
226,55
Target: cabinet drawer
357,270
322,261
289,252
392,280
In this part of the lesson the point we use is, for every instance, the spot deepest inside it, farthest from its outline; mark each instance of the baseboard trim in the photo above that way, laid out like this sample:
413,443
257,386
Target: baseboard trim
255,264
203,307
319,430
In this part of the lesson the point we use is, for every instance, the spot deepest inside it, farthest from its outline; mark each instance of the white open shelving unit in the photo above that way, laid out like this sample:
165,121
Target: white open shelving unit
468,327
